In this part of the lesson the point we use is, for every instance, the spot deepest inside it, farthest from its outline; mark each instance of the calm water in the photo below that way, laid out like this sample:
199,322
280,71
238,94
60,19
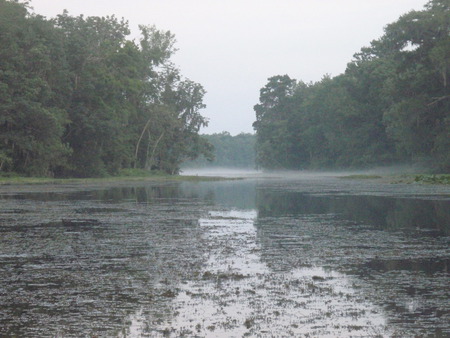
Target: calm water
304,255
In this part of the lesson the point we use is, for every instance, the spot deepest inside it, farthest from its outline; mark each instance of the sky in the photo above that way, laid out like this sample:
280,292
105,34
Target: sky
231,47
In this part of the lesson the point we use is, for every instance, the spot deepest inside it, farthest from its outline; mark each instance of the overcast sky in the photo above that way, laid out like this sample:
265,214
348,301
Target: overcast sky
232,47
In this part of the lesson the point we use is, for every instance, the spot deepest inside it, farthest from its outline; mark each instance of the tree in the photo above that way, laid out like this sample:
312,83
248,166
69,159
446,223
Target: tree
271,122
77,98
419,42
98,105
33,77
391,104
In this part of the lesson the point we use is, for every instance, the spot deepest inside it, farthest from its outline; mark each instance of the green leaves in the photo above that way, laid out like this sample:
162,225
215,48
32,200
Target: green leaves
32,119
79,99
392,103
157,46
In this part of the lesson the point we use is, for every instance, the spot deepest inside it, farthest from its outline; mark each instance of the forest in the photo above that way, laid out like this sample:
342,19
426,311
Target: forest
229,151
78,98
391,105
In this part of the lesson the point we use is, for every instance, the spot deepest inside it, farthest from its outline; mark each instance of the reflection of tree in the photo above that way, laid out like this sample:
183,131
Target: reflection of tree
384,242
235,194
381,212
86,279
140,194
420,265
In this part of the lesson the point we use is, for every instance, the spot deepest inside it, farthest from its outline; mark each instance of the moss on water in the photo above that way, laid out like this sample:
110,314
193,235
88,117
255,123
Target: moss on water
433,179
439,179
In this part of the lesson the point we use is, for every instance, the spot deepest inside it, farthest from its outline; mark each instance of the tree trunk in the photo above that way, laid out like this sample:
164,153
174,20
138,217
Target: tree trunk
150,161
139,142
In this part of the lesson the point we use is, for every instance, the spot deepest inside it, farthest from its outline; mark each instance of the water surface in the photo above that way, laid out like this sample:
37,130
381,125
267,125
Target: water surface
308,254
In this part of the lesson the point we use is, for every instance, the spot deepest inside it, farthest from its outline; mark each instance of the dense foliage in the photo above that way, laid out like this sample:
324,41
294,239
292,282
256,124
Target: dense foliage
77,98
229,151
392,104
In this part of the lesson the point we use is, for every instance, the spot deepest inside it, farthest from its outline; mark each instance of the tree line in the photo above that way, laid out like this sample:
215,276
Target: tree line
79,98
229,151
392,104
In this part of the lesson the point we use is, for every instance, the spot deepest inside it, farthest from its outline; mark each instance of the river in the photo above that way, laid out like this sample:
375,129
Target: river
267,255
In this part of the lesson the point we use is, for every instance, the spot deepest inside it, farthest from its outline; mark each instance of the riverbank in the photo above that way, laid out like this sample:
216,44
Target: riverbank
141,176
20,180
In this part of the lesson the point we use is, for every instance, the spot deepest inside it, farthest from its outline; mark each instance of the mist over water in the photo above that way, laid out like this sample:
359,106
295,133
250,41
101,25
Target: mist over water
295,174
221,172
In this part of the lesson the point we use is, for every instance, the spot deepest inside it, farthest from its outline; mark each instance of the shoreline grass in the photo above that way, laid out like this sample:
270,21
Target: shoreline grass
141,176
20,180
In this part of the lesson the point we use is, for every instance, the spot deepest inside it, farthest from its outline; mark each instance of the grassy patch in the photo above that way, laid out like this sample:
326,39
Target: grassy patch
139,173
133,176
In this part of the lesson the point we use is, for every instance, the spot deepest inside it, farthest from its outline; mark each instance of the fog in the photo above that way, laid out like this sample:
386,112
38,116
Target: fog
304,174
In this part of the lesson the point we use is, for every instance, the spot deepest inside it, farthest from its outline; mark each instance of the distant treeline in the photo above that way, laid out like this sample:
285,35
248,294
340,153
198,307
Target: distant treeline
392,104
229,151
77,98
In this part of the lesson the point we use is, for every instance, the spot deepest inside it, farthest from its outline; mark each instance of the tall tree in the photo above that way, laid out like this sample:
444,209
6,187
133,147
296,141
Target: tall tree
77,98
419,43
33,80
272,121
98,107
391,104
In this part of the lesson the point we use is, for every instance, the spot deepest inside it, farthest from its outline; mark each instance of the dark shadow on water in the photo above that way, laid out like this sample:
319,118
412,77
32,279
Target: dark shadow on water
396,247
386,213
428,266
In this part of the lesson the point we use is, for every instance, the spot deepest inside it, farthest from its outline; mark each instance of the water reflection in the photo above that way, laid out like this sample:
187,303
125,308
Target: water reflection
381,212
397,247
83,279
237,294
210,258
428,266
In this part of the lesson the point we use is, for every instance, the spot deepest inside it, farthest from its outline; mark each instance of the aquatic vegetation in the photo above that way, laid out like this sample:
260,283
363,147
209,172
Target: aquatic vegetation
313,257
433,179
